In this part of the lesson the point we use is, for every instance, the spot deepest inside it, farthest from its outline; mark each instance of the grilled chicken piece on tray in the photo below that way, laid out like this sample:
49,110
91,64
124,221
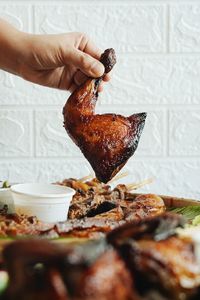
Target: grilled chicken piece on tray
108,140
141,260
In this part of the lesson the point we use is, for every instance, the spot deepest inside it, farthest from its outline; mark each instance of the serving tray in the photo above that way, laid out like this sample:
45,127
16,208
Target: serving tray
171,201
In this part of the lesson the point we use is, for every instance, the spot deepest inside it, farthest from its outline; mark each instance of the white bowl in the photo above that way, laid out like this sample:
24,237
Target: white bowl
48,202
6,199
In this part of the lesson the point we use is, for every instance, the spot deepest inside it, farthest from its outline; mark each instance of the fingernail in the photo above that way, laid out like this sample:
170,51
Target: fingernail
98,69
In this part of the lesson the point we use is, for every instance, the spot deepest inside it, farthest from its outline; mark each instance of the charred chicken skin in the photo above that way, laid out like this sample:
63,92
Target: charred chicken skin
108,140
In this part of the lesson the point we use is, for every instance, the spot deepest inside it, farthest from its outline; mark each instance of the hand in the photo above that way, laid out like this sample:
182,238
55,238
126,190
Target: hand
62,61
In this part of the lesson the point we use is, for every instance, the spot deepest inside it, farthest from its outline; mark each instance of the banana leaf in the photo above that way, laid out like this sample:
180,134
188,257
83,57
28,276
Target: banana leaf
191,213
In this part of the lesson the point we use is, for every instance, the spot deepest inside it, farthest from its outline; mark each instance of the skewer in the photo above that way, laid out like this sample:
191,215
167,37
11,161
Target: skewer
134,186
122,175
86,177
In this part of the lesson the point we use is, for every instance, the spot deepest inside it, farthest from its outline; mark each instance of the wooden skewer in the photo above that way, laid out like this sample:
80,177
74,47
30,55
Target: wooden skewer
119,176
134,186
86,177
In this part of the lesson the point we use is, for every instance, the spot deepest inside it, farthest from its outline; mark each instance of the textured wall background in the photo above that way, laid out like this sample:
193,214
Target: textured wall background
158,71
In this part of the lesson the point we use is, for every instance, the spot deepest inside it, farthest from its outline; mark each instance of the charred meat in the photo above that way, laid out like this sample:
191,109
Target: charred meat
108,140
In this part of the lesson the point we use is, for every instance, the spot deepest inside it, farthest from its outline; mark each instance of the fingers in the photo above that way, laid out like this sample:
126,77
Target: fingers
107,76
86,63
88,46
92,50
73,87
80,78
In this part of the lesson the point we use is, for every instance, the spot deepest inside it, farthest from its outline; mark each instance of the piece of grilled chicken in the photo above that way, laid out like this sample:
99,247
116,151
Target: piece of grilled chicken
41,270
142,260
108,140
163,265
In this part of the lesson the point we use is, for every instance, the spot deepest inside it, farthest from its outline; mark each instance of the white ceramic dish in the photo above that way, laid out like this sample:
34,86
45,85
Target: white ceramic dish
48,202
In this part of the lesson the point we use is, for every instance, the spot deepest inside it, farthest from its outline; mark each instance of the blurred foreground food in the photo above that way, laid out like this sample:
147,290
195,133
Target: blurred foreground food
140,260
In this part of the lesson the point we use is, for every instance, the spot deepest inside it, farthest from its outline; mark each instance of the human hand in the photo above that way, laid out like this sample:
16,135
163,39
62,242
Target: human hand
61,61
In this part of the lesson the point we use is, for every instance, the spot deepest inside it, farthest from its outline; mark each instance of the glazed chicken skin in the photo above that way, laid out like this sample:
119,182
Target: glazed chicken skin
108,140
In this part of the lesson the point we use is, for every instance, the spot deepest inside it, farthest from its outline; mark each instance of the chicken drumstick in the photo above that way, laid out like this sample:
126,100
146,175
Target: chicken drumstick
107,140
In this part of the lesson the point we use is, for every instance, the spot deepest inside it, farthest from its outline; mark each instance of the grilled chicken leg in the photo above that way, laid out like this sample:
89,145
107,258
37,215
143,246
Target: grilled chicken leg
108,140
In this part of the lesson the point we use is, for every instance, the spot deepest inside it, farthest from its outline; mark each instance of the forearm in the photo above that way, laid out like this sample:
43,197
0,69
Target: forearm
10,47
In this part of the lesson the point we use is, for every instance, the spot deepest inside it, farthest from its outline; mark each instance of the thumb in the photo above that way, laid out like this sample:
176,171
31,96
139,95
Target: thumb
86,63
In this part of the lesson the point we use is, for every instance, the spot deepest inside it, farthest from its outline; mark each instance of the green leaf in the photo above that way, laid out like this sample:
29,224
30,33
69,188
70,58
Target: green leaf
5,185
189,212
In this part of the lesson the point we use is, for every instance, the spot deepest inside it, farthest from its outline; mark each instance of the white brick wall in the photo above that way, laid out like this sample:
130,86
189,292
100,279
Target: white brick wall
158,71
